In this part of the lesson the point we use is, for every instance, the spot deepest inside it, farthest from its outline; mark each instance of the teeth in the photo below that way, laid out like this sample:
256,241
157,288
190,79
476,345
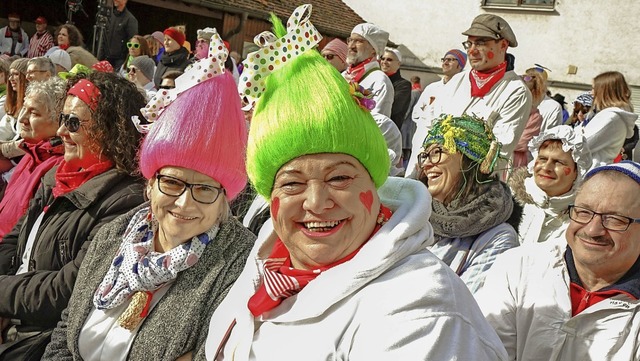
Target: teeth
182,217
433,175
322,225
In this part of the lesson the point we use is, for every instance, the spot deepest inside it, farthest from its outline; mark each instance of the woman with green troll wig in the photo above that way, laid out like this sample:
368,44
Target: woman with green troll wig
341,272
470,207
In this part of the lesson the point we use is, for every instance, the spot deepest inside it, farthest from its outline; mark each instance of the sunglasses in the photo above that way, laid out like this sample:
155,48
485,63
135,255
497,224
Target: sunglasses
71,121
165,87
131,70
133,45
328,56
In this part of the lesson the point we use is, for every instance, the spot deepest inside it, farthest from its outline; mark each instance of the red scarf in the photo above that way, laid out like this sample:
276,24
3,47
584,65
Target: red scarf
481,83
280,281
40,158
9,32
64,46
356,72
69,179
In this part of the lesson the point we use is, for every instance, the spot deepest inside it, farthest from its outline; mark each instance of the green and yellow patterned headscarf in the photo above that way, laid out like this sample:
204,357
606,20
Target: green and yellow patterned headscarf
468,135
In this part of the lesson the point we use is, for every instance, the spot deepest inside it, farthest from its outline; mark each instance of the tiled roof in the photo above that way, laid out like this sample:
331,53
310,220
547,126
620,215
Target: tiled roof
331,17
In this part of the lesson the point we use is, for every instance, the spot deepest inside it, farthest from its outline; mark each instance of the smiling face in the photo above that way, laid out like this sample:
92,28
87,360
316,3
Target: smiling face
599,251
14,78
36,74
554,171
324,207
389,63
81,149
182,218
358,50
450,65
36,121
487,56
41,27
170,45
442,177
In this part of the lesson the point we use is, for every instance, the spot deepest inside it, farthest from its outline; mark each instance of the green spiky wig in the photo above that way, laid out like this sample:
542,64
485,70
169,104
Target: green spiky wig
307,109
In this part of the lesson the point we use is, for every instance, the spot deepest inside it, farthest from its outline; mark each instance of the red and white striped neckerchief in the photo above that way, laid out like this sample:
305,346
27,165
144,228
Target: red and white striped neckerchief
281,281
482,82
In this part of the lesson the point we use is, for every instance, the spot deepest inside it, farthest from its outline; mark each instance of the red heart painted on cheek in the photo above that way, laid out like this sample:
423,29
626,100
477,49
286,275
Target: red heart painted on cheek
567,170
367,199
275,206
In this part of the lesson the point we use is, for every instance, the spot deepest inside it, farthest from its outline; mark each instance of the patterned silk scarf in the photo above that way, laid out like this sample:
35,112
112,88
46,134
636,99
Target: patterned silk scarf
137,270
281,281
482,82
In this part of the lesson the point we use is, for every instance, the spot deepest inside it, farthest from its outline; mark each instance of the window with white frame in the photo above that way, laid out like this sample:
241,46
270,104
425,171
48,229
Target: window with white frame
542,4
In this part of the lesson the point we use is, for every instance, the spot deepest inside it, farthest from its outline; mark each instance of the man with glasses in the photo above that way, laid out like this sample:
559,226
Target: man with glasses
390,63
336,54
488,90
453,62
40,69
364,46
579,299
13,39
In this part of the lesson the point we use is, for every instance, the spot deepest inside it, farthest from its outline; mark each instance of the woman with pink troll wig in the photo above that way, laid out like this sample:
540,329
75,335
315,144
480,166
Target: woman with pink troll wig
153,277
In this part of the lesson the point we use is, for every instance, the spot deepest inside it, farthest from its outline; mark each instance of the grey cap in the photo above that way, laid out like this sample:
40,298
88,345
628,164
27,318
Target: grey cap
145,65
492,26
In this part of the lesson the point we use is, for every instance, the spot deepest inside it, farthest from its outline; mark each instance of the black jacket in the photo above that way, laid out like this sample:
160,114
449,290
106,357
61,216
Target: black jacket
35,299
177,60
122,27
401,98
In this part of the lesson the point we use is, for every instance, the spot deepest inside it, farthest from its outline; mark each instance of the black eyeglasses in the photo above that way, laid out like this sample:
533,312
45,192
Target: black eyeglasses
480,43
133,45
328,56
434,156
166,87
71,121
612,222
201,193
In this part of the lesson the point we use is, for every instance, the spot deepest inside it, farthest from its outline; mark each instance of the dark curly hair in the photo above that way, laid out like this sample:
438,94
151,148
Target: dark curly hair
112,126
75,36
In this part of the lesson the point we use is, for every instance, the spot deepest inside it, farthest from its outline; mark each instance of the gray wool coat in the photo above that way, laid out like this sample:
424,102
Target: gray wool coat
180,321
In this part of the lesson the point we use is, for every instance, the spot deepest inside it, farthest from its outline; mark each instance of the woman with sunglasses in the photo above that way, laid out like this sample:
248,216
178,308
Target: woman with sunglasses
137,46
470,206
153,277
613,121
94,183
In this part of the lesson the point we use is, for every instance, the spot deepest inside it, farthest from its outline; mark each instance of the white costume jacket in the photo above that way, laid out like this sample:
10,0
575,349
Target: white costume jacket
606,133
393,301
380,85
507,105
526,299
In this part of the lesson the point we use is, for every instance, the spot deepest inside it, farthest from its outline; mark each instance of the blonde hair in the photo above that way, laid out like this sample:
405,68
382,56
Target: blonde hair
610,89
536,85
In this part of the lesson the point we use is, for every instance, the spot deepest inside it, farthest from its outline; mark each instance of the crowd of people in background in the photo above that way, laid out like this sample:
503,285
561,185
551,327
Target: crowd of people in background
163,200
